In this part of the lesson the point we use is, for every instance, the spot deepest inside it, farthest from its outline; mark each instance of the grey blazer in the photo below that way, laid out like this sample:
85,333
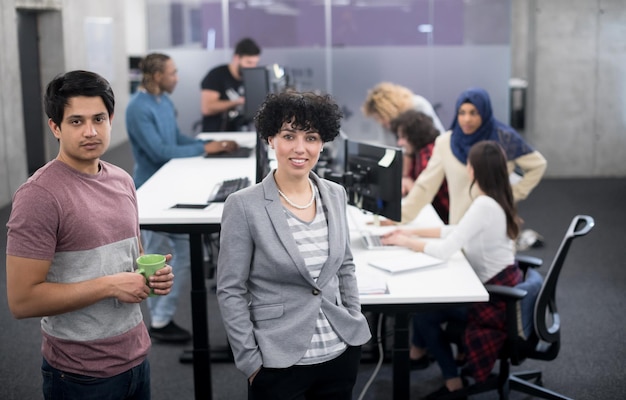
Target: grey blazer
268,300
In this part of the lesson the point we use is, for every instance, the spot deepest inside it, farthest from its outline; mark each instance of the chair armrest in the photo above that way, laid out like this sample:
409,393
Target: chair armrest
506,293
525,262
511,297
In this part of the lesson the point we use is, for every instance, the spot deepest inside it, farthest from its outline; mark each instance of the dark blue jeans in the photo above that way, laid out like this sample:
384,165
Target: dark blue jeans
133,384
427,333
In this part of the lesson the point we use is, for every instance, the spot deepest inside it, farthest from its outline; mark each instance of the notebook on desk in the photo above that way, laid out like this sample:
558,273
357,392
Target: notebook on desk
241,152
402,261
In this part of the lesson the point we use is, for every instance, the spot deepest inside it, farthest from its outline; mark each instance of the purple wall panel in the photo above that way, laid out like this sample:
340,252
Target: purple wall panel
351,25
212,19
311,29
271,30
387,26
176,22
448,23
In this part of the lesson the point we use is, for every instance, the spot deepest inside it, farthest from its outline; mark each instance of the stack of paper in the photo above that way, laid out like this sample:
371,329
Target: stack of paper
371,284
402,261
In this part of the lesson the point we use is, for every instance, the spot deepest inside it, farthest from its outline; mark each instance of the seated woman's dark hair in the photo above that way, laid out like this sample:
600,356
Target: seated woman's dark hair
417,127
307,111
490,172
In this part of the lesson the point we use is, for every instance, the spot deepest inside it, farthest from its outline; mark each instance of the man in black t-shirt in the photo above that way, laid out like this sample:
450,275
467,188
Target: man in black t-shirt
222,90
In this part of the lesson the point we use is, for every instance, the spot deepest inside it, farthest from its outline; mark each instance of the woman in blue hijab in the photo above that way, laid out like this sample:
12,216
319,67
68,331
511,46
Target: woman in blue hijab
473,122
475,102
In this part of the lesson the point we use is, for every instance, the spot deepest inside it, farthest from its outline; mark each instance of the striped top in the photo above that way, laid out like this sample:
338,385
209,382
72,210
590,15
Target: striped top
312,240
87,226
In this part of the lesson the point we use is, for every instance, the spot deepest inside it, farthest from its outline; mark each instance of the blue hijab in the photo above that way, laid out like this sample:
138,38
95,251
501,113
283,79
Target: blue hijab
490,129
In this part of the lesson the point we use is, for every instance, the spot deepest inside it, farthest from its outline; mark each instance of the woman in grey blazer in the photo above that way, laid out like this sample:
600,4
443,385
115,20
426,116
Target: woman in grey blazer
286,285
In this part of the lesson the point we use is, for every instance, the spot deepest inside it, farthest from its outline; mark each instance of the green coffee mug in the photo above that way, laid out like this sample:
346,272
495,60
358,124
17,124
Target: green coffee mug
148,264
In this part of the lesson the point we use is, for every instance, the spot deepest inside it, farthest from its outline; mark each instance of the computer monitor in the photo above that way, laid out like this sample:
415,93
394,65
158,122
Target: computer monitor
262,159
258,82
373,178
256,86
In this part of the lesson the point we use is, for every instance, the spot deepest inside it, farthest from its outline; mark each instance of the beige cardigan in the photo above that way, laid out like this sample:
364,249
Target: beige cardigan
443,164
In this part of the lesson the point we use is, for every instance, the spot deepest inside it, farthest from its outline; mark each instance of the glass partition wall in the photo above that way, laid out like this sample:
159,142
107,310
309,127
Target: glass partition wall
436,48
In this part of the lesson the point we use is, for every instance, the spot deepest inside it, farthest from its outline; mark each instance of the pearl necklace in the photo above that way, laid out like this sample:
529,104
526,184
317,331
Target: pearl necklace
294,205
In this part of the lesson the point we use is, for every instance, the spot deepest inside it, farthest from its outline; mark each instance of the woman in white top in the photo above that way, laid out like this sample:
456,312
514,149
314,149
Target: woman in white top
486,235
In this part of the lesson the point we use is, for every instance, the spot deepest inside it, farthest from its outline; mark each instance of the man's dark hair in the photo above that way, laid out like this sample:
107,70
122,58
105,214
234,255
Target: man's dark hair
305,111
74,84
150,65
417,127
247,47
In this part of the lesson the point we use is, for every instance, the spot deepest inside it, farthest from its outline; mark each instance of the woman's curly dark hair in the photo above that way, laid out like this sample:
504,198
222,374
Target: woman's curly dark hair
417,126
304,110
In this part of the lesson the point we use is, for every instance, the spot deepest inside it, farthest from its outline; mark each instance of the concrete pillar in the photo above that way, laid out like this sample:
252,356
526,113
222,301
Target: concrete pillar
13,167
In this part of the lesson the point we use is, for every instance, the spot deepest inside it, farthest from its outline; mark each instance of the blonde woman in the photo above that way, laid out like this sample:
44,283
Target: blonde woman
387,100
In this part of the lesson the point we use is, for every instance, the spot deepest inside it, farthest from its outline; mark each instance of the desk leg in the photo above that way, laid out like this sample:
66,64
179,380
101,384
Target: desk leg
400,357
200,321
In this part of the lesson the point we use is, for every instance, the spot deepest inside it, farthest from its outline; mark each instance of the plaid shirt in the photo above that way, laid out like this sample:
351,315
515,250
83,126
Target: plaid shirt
486,327
441,202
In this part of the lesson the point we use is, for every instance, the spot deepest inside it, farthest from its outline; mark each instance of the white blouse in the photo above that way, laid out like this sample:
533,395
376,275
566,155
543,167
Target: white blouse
481,234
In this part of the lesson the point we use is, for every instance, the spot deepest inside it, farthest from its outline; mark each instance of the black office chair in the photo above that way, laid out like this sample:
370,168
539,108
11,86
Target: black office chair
539,339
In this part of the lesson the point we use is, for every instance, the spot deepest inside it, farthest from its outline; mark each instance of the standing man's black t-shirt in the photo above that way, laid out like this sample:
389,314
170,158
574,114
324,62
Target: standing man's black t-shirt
221,80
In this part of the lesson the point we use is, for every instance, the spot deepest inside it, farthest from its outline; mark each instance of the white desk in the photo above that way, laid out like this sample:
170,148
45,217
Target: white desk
190,180
452,282
445,285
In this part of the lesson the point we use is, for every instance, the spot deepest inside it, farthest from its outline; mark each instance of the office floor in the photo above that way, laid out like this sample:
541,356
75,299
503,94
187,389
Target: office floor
591,299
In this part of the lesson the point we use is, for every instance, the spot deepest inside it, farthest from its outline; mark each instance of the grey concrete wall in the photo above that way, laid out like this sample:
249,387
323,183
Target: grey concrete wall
64,46
13,165
577,86
52,62
112,63
39,4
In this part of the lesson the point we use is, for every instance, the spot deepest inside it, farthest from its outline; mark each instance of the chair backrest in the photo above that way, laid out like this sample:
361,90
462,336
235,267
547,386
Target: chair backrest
546,317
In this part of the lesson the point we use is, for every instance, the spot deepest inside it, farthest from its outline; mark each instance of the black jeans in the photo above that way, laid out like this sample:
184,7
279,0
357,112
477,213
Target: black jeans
331,380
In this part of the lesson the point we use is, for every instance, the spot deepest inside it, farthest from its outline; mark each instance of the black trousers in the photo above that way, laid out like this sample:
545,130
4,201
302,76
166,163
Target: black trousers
331,380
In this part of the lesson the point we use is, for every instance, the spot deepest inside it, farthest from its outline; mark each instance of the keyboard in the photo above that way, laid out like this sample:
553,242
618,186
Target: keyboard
223,189
241,152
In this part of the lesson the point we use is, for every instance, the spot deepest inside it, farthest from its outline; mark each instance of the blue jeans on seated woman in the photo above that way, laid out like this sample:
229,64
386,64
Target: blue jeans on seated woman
428,334
133,384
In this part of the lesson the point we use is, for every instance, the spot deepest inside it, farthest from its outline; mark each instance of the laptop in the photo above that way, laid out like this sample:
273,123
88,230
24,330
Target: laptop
402,261
372,241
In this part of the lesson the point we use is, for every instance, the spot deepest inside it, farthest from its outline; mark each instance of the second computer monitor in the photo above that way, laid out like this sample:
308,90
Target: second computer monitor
262,159
256,86
258,82
373,178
